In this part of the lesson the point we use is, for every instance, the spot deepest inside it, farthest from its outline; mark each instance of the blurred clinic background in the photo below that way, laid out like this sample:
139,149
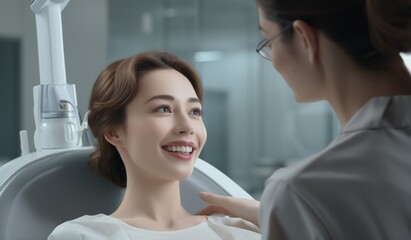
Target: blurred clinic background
254,125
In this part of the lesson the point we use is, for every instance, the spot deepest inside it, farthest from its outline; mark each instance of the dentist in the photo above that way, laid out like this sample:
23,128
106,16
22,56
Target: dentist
346,52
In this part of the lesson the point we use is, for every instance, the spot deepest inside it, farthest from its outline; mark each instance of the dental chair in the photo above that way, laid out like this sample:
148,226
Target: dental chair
41,190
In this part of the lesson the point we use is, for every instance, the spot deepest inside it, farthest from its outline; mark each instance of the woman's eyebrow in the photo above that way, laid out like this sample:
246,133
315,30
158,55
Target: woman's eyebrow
171,98
194,100
164,97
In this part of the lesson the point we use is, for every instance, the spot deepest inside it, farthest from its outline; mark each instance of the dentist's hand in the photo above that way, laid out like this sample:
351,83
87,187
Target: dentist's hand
246,209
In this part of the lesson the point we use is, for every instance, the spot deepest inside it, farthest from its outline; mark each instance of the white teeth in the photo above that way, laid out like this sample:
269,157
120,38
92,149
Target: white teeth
183,149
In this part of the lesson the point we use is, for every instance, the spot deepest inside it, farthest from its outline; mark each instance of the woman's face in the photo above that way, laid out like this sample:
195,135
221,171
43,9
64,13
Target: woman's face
290,61
164,131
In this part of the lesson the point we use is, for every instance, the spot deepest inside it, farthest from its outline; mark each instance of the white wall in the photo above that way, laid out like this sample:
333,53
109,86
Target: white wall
85,42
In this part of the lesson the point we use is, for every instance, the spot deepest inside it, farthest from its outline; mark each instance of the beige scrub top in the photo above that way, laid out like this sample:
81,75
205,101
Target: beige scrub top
103,227
359,187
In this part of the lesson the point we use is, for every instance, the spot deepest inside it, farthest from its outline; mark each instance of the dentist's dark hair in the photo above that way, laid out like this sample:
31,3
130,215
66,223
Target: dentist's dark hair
372,32
115,87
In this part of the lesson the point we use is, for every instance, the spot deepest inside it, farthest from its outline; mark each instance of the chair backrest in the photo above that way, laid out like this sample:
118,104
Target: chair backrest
41,190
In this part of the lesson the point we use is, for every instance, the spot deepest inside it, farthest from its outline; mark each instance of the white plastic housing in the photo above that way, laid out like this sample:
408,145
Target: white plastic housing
56,117
50,40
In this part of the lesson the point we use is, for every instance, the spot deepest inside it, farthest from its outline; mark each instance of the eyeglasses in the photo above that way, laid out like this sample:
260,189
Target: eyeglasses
264,49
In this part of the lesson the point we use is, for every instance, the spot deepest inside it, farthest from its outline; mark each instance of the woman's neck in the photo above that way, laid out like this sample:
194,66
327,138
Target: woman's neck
151,204
352,87
348,86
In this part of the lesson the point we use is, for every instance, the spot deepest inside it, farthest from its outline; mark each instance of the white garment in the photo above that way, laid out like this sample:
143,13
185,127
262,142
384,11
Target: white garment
103,227
359,187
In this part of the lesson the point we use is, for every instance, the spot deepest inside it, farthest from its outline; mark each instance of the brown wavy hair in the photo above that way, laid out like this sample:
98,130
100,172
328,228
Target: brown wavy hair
372,32
115,87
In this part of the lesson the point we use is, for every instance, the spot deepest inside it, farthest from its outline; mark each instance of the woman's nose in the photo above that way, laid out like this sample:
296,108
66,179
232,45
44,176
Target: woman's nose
184,125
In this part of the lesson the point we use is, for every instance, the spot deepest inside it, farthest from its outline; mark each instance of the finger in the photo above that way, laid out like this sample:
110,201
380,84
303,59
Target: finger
210,210
205,211
213,199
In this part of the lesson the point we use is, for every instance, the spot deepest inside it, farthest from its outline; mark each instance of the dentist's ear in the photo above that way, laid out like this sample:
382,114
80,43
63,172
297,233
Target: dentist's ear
113,136
308,37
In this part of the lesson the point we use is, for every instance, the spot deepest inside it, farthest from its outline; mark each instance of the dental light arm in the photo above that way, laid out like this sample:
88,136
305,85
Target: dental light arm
50,40
55,102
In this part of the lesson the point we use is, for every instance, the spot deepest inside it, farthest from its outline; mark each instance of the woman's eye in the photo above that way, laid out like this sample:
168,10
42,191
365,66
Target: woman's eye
165,109
196,112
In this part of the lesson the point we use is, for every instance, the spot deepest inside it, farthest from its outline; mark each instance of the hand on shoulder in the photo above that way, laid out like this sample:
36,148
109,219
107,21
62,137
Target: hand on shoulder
246,209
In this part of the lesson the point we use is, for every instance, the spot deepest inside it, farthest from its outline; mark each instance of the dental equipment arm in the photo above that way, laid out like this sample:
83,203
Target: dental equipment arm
50,40
55,102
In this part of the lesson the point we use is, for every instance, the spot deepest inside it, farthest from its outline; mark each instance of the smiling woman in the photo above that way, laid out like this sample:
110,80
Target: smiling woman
116,93
162,115
146,114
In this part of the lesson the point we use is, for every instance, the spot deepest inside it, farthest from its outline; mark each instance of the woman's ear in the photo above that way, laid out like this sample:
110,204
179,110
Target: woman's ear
113,136
308,38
